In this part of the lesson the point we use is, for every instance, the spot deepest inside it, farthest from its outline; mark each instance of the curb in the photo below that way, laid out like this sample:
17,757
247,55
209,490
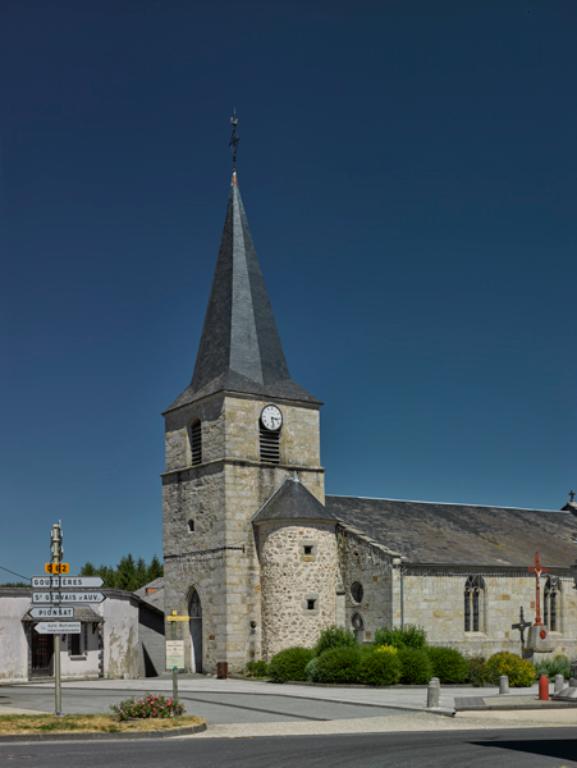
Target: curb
162,734
516,707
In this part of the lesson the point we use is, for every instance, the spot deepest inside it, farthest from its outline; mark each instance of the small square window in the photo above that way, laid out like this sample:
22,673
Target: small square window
191,525
308,550
311,604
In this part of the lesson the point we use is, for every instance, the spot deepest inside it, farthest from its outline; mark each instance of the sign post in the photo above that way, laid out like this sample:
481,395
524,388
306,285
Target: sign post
175,651
56,551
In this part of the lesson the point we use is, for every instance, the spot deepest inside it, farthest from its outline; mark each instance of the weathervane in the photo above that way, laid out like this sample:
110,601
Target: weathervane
234,139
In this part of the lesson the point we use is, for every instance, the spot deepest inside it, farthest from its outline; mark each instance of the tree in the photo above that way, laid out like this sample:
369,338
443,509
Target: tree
128,574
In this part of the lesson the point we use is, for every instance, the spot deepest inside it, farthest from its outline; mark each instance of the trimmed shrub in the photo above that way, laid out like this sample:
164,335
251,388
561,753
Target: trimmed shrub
410,637
290,664
333,637
256,668
556,665
449,665
521,672
311,669
416,666
477,672
337,665
379,665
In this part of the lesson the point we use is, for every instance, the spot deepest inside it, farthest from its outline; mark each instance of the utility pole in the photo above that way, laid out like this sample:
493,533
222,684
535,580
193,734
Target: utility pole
56,553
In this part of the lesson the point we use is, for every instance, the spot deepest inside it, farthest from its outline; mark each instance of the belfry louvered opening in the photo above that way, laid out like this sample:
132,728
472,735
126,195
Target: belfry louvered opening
269,446
195,437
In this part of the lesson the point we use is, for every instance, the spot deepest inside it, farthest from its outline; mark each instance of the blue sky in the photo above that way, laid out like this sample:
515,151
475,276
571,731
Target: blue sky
408,170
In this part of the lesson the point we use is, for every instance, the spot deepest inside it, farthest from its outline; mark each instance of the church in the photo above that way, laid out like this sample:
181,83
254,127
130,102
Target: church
259,558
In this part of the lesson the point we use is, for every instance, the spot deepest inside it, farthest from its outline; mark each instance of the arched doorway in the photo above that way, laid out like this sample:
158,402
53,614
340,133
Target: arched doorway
195,625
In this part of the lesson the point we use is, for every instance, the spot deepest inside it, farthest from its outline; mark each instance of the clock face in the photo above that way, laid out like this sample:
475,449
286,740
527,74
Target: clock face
271,418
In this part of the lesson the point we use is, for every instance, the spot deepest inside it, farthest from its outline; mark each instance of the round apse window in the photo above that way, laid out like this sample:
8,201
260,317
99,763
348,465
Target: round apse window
357,591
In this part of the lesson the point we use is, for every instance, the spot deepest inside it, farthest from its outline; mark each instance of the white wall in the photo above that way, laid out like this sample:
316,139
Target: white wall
13,641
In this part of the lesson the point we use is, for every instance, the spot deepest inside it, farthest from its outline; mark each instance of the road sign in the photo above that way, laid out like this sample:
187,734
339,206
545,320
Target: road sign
56,568
67,597
52,612
175,654
58,628
46,582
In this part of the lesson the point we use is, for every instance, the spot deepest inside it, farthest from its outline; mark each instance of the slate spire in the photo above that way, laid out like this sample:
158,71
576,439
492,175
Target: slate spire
240,349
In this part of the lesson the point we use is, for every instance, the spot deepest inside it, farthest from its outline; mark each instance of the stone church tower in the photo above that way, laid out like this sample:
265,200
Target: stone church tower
249,548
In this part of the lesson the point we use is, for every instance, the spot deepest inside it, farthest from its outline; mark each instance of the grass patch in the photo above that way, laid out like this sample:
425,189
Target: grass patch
17,725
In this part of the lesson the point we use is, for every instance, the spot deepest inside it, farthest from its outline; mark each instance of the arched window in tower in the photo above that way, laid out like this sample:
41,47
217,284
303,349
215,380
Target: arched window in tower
195,440
474,604
551,603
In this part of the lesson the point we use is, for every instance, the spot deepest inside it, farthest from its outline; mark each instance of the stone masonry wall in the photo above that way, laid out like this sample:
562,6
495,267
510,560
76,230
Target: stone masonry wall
436,603
369,566
220,496
290,578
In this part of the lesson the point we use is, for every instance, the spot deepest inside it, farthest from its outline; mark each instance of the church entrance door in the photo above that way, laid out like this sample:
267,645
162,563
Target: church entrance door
195,624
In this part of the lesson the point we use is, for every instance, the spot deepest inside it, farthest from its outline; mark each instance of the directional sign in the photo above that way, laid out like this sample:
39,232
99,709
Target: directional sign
58,628
52,612
46,582
67,597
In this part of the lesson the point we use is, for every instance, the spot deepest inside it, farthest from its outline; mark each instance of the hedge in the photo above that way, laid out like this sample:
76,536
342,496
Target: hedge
449,665
290,664
416,666
521,673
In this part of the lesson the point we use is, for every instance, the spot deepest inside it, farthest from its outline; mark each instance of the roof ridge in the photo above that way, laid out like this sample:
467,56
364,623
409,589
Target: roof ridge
444,503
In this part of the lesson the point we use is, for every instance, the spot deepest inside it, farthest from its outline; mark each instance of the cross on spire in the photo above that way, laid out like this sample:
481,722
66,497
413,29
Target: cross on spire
234,139
571,496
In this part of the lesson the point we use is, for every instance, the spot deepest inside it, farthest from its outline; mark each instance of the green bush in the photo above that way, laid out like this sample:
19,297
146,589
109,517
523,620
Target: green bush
290,664
416,666
311,669
410,636
333,637
556,665
379,665
477,671
449,665
337,665
256,668
148,706
520,672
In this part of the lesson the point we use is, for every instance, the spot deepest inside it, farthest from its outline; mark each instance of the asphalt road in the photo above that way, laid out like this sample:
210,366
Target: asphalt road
538,748
226,707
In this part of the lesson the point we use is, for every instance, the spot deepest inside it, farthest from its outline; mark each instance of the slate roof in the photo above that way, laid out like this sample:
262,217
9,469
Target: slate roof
293,501
155,596
462,534
240,349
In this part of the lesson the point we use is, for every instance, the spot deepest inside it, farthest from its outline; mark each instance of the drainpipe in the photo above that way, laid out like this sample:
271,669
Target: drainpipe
397,562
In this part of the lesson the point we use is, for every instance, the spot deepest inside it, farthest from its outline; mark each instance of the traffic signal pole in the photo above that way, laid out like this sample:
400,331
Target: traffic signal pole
56,552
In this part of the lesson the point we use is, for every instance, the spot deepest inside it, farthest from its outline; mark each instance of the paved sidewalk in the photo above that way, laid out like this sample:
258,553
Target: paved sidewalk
399,697
414,722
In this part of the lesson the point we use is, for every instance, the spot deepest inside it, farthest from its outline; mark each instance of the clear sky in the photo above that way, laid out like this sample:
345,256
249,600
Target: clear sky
409,172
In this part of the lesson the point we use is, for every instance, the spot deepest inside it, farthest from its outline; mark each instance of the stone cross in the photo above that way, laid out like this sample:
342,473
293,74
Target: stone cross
522,625
537,569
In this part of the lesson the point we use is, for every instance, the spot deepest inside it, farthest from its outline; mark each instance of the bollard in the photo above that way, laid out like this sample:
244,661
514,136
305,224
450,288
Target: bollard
544,688
559,683
503,684
433,693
